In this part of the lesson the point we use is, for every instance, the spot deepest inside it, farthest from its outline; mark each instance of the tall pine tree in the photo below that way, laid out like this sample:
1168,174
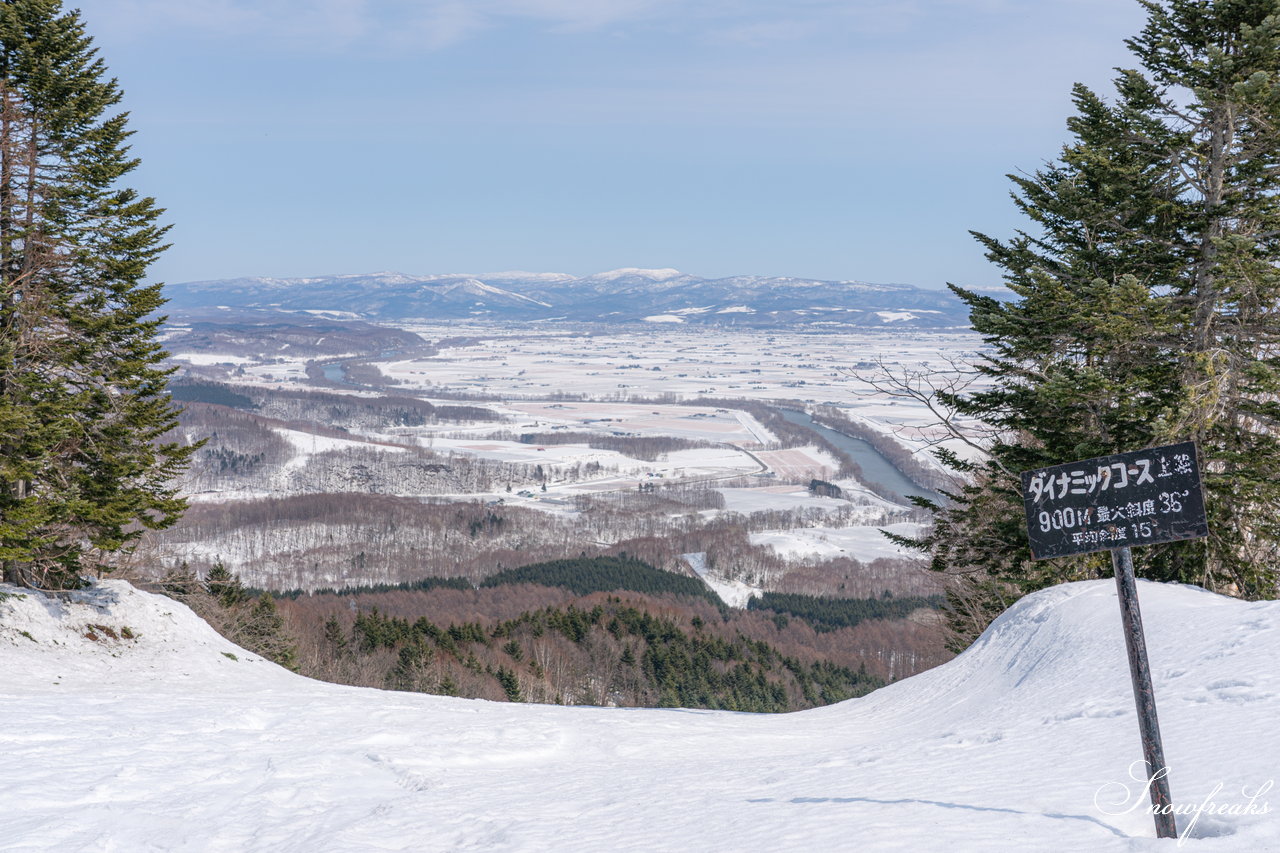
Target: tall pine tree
82,393
1145,311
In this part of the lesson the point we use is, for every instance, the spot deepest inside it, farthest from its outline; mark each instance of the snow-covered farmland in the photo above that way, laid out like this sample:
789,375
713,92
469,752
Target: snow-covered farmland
556,419
765,498
751,364
852,372
551,377
691,422
862,543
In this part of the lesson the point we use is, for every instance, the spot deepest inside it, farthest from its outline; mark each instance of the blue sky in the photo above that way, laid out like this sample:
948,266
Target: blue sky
842,139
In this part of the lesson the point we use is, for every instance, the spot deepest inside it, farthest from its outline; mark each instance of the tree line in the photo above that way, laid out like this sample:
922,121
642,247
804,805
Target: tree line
584,575
294,339
612,651
331,409
829,614
349,539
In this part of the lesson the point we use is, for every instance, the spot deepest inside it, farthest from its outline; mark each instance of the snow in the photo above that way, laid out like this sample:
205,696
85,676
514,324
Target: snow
913,427
625,272
732,592
766,498
663,318
164,742
799,462
528,363
325,312
527,276
1025,742
306,444
861,543
206,358
753,426
706,461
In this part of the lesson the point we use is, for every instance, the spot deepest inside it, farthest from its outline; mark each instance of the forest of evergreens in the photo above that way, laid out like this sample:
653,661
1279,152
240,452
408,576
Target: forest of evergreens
612,651
828,614
209,392
647,447
584,575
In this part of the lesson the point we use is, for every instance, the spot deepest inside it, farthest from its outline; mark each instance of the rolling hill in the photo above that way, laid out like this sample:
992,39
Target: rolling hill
619,296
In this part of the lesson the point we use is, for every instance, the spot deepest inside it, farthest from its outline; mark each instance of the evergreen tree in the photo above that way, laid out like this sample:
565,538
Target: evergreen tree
510,683
412,667
82,394
225,586
260,628
335,637
1144,313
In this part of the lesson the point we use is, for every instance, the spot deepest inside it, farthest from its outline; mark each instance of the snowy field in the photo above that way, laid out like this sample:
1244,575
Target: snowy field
529,364
840,369
720,461
690,422
177,741
529,367
752,364
747,500
861,543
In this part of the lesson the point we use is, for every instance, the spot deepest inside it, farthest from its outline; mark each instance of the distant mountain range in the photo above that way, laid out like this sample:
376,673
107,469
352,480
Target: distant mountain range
618,296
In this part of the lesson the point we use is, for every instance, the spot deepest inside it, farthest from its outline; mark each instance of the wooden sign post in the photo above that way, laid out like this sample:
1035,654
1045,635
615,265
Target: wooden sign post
1112,503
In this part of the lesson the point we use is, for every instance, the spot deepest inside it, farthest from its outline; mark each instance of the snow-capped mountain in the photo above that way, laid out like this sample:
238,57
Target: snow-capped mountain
618,296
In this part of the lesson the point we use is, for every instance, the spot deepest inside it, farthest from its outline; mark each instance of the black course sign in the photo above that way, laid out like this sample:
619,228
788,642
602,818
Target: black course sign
1137,498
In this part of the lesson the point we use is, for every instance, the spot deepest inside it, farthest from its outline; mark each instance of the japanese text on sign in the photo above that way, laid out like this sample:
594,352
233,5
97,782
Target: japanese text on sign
1136,498
1113,477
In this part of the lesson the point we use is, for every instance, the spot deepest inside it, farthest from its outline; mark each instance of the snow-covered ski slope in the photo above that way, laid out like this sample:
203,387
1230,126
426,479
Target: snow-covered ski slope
165,742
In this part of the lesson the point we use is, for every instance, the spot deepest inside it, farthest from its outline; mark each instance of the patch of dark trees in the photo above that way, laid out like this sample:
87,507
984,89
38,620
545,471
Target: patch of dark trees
650,448
585,575
830,614
209,392
823,489
533,636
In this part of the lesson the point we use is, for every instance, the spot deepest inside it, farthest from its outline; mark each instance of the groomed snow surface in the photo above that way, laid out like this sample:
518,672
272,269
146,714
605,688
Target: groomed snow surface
164,742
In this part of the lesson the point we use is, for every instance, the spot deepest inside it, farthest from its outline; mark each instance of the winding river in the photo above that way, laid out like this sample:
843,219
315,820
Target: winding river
875,467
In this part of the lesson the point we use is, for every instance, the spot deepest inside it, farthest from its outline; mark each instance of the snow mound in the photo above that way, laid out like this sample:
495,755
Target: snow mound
1025,742
114,634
